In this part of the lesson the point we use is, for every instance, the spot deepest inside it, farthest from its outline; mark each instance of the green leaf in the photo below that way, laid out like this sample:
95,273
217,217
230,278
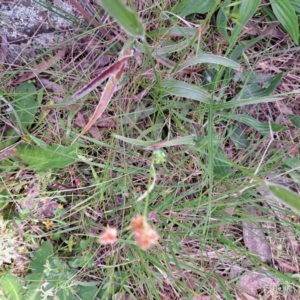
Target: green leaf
296,5
48,157
263,128
135,141
177,31
239,138
188,7
86,292
243,102
186,140
285,195
247,10
295,120
127,19
12,286
186,90
221,167
210,59
39,259
25,105
222,19
255,91
286,15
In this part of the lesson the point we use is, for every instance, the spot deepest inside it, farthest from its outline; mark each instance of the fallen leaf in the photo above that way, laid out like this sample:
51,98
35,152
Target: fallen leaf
255,239
253,282
42,66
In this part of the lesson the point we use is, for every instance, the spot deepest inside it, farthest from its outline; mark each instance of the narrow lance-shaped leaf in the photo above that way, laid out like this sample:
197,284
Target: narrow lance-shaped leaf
124,16
105,98
210,59
247,9
285,13
186,140
183,89
112,69
285,195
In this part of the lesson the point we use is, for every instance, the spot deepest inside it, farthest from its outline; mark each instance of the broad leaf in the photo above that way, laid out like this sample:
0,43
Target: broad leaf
286,15
12,286
39,259
25,105
124,16
48,157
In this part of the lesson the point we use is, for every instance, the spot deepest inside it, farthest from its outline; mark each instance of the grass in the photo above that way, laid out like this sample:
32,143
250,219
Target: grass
221,230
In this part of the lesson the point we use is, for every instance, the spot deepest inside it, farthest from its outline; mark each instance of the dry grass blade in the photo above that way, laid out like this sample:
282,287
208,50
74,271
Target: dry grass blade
42,66
113,69
115,73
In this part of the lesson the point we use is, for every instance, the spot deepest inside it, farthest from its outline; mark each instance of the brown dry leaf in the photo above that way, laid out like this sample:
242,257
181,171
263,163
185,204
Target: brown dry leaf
110,87
201,298
256,281
255,239
42,66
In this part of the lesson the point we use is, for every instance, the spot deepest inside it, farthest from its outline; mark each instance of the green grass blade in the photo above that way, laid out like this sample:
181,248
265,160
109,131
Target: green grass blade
285,13
127,19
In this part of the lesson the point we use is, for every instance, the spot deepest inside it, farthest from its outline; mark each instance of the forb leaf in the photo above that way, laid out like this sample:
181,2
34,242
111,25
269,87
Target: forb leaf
285,196
286,15
48,157
25,105
124,16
